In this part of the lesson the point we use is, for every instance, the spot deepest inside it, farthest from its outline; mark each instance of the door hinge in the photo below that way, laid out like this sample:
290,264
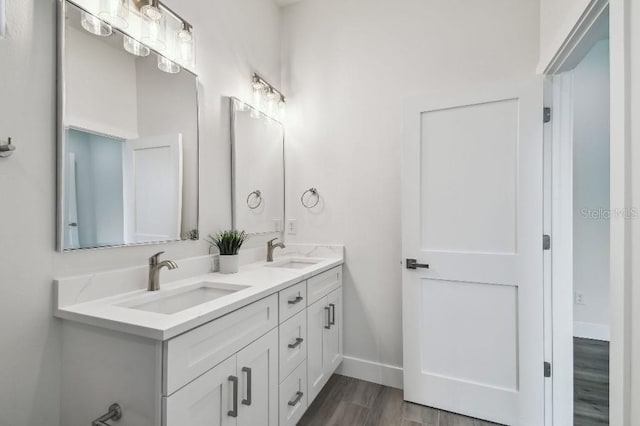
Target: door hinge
547,369
546,242
546,114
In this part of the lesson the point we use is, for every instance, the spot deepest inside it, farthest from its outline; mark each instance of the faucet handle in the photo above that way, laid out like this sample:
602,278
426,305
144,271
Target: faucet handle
271,241
153,260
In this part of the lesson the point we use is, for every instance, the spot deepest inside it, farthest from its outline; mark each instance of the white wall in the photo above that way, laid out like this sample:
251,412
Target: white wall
234,38
347,66
591,193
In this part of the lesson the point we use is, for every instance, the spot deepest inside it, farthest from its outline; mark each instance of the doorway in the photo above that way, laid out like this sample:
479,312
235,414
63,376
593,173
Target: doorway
578,185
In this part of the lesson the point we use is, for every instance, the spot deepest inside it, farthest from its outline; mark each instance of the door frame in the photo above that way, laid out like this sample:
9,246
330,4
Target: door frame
577,34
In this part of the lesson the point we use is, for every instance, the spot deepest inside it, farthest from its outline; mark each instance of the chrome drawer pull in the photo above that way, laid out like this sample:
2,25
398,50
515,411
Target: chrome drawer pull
299,341
297,399
295,301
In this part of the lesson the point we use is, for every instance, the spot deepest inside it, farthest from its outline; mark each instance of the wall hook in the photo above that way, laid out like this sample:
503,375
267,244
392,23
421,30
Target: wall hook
6,148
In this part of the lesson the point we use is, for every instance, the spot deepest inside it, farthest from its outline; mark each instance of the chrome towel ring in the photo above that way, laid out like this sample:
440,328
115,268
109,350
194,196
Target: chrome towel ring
257,196
313,194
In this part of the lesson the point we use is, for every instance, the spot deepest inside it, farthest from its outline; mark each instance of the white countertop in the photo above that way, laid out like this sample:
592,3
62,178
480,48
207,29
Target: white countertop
261,281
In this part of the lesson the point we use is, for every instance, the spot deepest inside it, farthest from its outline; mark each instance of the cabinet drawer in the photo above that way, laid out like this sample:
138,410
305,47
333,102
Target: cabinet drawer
292,300
293,396
293,343
323,284
193,353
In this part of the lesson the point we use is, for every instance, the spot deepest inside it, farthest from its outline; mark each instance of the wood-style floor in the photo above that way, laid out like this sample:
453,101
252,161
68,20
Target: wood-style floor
345,401
591,382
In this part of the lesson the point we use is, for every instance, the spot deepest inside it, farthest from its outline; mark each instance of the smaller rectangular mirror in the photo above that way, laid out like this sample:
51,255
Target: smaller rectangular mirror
258,170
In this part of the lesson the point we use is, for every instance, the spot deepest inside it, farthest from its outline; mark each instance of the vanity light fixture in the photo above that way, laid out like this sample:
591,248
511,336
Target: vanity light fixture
95,25
115,12
266,96
186,44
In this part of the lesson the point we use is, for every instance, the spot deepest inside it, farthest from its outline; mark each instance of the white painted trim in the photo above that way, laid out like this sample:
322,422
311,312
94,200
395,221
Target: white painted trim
590,330
370,371
562,249
578,25
3,17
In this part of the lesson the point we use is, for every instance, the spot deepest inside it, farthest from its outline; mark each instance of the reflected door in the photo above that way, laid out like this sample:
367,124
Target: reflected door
153,189
472,211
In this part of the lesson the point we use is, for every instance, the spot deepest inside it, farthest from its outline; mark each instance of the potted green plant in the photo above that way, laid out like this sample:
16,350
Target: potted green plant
228,243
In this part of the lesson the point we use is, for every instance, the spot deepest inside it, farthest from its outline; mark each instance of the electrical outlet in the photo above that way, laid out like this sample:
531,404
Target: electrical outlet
578,298
292,227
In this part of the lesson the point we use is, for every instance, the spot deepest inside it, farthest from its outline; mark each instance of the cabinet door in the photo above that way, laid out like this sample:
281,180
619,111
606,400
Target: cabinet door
317,324
258,390
207,401
332,345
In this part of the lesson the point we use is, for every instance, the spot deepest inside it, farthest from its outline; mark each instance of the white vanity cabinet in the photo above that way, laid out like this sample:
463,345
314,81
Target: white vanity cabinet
259,365
242,390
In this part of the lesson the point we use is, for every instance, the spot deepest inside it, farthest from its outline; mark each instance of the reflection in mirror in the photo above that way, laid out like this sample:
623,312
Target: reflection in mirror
258,170
129,143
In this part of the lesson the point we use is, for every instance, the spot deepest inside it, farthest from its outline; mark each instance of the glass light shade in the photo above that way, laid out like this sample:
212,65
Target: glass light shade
154,32
134,47
186,47
168,66
115,12
94,25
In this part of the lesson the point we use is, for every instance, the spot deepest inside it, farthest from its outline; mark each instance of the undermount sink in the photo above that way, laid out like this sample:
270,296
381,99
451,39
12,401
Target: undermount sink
293,264
174,301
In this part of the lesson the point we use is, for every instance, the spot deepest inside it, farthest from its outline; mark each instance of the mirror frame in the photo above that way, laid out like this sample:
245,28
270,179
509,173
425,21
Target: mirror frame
233,101
61,140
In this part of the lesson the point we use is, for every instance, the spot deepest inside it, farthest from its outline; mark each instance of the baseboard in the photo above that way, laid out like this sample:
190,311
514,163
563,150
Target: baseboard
589,330
370,371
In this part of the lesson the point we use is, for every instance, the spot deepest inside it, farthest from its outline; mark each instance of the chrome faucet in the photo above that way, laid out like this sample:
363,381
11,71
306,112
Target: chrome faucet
154,270
271,247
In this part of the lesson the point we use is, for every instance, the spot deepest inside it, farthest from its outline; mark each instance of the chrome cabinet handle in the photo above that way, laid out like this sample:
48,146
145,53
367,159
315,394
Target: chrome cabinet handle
234,412
248,371
328,311
297,399
298,342
295,301
413,264
333,314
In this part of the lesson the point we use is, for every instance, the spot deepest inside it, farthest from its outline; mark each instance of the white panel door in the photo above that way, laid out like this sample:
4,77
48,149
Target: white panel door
258,390
472,211
318,316
207,401
153,189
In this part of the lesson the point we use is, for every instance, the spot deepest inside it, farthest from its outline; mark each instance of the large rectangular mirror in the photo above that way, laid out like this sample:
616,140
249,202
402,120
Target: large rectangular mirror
258,170
128,143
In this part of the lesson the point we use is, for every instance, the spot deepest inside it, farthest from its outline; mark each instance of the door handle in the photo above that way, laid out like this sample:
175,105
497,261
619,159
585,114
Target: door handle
333,314
73,224
297,300
328,311
234,412
413,264
247,370
298,342
297,399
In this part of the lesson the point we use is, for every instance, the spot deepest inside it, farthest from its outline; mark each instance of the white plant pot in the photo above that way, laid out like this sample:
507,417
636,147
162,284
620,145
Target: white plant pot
228,264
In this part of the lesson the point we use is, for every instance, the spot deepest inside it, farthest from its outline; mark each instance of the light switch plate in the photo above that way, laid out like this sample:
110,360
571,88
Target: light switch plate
292,227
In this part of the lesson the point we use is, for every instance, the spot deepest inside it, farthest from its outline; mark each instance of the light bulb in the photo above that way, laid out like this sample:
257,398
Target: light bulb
154,33
168,66
134,47
94,25
151,10
115,12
